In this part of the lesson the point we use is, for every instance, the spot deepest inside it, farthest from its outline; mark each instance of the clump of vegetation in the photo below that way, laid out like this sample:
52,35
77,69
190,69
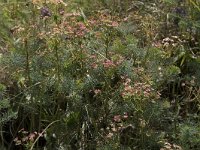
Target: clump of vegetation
99,74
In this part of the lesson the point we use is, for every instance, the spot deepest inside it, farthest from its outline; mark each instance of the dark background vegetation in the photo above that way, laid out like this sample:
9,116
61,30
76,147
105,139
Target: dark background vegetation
100,74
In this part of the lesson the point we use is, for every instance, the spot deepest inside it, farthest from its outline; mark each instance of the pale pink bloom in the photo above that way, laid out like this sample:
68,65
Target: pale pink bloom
114,24
94,65
117,118
81,26
97,91
92,56
32,137
108,64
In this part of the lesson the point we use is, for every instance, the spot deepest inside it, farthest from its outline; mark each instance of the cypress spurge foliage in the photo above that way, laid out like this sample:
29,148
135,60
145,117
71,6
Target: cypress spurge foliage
119,77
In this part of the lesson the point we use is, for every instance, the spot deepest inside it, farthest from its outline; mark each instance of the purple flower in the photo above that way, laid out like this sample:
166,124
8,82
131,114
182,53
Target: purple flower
45,12
180,11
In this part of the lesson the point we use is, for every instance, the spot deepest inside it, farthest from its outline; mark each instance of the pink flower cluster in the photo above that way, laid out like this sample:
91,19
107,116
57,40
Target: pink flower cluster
120,118
94,62
25,137
108,64
78,29
97,91
138,89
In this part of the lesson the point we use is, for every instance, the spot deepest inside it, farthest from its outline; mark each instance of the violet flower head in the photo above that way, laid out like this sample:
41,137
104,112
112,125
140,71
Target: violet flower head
180,11
45,12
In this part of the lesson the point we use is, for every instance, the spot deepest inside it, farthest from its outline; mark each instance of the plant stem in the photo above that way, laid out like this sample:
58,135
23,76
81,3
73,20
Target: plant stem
27,61
57,60
43,133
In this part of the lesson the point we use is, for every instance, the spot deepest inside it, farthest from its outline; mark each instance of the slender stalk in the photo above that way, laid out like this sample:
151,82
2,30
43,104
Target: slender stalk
107,42
57,60
27,60
81,49
43,133
32,122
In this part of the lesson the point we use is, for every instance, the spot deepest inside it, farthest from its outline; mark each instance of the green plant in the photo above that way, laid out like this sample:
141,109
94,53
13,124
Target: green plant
189,136
99,74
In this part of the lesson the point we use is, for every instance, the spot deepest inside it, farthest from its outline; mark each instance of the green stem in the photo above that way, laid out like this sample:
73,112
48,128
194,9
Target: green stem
81,57
107,42
57,60
27,61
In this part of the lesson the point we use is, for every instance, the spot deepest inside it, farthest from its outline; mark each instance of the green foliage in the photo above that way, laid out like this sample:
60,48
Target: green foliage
189,136
6,111
109,74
